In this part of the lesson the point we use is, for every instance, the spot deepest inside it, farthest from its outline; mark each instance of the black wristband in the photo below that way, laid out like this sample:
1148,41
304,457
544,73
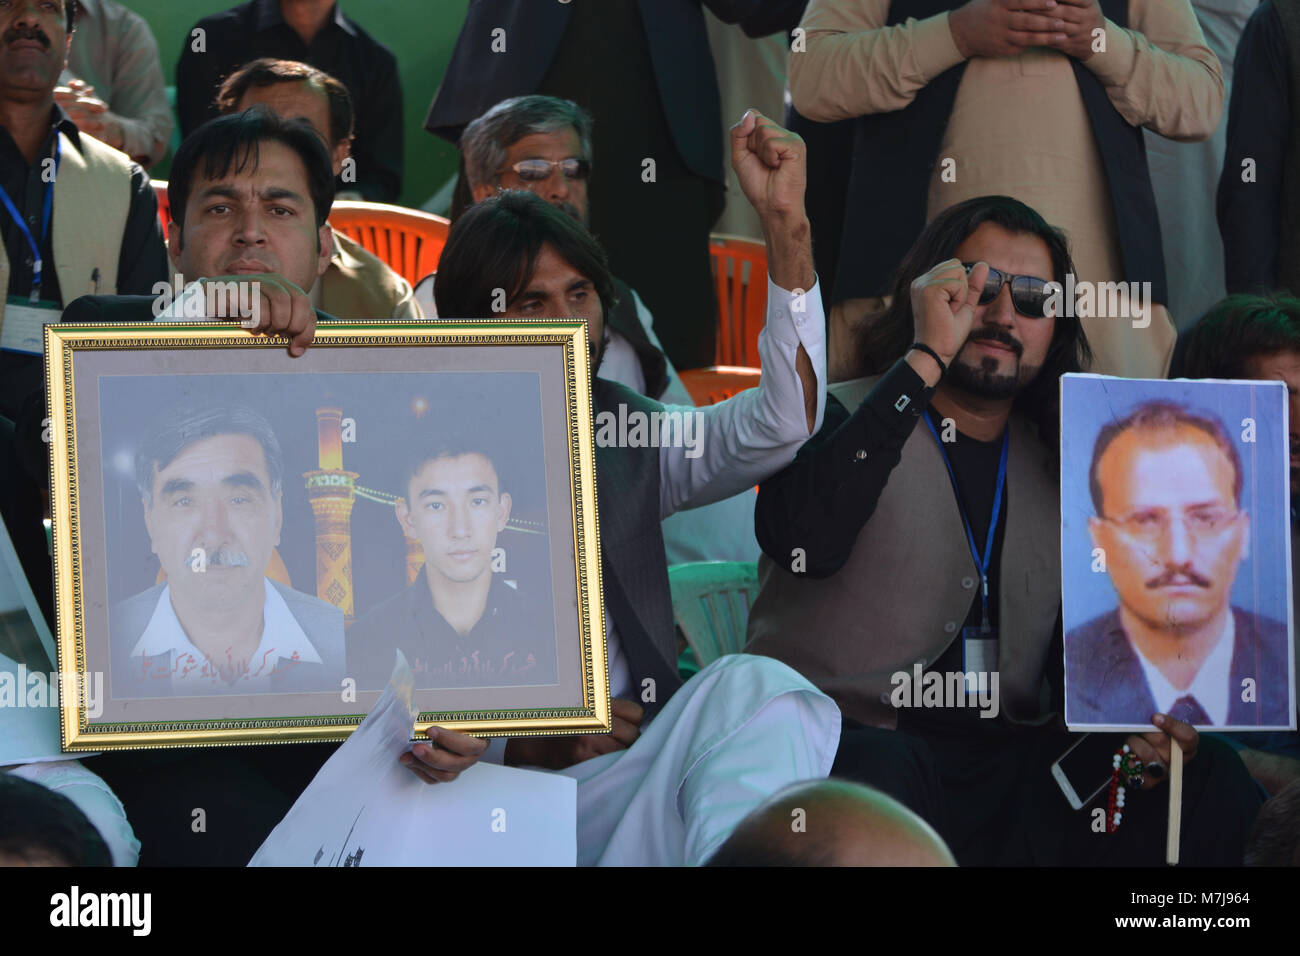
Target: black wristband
943,369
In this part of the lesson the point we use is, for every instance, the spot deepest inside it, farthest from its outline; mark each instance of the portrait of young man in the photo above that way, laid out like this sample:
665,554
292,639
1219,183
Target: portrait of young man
210,482
460,623
1178,501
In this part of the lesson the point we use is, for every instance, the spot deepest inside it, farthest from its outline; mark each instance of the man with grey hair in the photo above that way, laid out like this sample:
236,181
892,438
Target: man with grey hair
210,481
543,144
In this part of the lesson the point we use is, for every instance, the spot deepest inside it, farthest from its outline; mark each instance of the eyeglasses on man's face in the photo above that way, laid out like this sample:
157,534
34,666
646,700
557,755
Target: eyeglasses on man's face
536,170
1153,525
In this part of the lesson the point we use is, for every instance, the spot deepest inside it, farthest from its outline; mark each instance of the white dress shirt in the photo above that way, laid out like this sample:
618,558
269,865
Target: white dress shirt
1209,686
191,673
747,438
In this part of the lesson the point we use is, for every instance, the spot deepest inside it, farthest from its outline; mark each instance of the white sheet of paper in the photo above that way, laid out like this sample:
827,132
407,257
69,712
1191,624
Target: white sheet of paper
365,809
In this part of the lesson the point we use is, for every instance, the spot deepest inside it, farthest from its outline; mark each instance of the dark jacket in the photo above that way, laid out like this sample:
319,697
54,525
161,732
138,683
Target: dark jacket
510,645
477,79
633,567
1105,683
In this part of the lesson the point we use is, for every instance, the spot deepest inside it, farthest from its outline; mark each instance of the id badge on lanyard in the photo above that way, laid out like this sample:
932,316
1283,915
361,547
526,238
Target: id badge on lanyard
23,329
24,324
979,645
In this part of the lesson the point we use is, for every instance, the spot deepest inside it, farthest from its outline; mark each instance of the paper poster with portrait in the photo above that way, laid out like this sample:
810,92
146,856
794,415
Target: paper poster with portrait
247,540
1176,554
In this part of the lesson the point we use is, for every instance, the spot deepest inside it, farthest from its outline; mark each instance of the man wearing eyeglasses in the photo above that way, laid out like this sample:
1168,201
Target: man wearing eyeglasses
543,144
1166,487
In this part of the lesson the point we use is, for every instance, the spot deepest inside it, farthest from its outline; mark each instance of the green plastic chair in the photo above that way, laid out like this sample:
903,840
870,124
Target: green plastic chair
711,601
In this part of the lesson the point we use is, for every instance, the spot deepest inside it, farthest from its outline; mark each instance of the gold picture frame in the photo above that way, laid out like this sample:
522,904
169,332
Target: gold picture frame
112,388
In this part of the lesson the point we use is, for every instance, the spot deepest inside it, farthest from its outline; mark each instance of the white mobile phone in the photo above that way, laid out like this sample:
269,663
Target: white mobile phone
1085,769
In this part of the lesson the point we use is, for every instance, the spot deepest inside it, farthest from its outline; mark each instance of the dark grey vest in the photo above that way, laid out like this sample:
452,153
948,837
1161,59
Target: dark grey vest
624,320
633,566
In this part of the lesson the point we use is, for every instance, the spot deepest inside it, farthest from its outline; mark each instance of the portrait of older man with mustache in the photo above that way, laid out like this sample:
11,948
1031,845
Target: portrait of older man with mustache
210,484
1166,487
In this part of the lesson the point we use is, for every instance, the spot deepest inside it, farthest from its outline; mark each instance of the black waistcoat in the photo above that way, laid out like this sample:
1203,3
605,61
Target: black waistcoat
633,567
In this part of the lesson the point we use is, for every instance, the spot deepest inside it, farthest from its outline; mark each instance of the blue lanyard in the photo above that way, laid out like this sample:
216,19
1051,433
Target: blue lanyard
983,565
46,206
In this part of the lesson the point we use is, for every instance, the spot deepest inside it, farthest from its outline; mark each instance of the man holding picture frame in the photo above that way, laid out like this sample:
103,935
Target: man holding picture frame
250,194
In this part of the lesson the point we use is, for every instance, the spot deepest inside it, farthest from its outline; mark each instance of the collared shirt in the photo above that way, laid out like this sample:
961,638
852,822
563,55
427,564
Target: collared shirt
342,49
1158,74
1209,686
114,51
283,644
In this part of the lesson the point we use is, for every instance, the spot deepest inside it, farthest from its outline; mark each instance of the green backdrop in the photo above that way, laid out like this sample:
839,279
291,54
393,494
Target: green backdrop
419,32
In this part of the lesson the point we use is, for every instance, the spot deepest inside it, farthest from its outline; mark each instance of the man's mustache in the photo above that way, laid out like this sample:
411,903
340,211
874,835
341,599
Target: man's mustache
14,34
227,558
1001,336
1173,575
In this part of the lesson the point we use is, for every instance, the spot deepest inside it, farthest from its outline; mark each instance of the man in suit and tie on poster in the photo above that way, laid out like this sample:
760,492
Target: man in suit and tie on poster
1166,487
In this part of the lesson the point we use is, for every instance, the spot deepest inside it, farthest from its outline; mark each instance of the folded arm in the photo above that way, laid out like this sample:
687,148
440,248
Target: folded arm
854,65
1160,74
140,96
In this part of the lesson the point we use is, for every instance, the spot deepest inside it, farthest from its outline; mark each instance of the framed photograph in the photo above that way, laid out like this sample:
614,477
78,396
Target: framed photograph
244,541
1176,554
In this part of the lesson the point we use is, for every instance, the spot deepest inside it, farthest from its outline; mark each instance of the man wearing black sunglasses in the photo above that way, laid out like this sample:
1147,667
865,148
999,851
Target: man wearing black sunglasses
917,539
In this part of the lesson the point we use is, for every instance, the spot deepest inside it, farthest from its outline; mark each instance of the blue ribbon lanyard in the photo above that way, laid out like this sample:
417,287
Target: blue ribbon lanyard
983,565
46,207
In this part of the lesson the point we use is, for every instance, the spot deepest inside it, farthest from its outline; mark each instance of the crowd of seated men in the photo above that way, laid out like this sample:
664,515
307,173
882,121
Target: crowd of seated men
952,161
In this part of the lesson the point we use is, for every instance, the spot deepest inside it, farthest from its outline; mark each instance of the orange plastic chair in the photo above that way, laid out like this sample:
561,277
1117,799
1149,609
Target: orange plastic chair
740,278
408,240
708,386
164,210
